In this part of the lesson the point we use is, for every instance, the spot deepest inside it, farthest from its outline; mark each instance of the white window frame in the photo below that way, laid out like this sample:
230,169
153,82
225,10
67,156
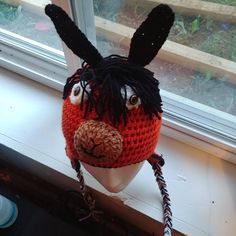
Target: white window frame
17,55
194,124
183,119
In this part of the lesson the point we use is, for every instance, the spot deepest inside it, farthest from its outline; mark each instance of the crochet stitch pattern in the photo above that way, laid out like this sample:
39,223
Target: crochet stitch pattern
139,136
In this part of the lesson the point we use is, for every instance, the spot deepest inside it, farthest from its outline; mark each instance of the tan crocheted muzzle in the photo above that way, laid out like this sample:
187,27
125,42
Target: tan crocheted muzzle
98,141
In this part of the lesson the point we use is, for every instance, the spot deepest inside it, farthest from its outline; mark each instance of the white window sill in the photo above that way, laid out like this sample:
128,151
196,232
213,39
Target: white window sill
201,186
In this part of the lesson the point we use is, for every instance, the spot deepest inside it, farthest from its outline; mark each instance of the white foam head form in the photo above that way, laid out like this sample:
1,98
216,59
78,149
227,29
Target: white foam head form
114,179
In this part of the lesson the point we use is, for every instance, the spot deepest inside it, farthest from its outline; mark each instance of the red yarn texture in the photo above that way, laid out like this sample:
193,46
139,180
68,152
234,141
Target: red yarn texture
140,135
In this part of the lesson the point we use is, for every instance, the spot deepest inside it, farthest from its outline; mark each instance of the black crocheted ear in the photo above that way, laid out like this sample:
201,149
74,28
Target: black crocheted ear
151,35
72,36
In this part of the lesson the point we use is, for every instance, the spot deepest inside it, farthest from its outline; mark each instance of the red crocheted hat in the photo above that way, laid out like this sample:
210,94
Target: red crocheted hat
103,144
112,106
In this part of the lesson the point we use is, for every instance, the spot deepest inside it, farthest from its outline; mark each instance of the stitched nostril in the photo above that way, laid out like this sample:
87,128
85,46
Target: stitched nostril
90,152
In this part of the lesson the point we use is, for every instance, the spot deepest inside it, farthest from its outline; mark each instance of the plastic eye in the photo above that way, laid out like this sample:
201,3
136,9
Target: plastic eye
76,94
77,91
133,100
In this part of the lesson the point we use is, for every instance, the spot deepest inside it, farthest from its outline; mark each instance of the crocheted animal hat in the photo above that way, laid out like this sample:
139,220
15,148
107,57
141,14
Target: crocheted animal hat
112,107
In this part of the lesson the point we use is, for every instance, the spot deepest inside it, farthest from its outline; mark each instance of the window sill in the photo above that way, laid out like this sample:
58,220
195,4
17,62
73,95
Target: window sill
201,186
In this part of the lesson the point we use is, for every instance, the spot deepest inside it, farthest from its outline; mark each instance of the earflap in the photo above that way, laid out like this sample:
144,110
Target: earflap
151,35
72,36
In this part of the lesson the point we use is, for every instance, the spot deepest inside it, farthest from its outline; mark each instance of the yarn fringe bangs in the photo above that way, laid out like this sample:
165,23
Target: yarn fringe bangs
106,82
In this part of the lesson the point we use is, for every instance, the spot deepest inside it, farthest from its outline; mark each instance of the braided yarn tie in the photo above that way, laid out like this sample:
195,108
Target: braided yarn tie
87,197
165,196
156,162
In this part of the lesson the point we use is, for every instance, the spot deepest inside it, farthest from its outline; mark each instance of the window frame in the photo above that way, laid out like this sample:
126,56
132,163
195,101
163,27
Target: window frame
181,120
17,55
192,124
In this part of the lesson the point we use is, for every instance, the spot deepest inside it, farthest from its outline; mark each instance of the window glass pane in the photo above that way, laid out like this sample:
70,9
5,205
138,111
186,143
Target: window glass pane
198,61
26,18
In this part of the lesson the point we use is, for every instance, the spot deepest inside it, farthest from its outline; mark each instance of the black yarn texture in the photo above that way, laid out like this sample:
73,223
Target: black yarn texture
108,79
151,35
72,36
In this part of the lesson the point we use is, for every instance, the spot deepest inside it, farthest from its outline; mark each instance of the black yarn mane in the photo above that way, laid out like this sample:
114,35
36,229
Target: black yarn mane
106,81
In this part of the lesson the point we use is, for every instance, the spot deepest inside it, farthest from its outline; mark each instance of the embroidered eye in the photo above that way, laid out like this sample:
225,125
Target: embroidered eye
132,100
77,94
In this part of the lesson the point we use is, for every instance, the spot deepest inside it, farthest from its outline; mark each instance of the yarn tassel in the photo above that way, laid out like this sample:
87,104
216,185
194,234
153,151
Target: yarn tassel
156,162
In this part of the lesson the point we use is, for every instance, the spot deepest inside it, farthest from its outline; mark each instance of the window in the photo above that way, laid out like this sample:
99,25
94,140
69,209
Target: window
198,61
196,66
27,19
29,43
